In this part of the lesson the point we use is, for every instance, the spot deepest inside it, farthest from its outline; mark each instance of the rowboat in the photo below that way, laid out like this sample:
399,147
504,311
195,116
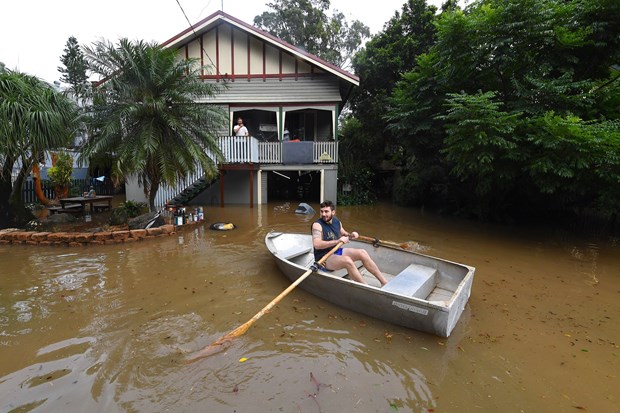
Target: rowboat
423,293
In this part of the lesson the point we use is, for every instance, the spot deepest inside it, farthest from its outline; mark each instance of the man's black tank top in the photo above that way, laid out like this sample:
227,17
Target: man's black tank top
331,232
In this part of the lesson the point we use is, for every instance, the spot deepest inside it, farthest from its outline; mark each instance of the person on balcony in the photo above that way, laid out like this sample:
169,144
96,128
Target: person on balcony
240,129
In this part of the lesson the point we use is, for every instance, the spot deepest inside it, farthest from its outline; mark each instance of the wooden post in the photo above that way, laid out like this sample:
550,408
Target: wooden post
221,189
251,189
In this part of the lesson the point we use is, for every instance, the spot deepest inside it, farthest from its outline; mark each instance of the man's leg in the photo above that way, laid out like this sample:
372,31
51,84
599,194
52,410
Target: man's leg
336,262
369,264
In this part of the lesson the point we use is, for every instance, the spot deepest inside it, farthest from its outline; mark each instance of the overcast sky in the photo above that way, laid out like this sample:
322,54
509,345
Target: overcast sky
33,33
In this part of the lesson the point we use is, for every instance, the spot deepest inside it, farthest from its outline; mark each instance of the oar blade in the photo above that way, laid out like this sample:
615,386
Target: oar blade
222,343
213,348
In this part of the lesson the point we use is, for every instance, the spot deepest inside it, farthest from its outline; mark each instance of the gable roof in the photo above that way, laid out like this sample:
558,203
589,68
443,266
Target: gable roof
219,17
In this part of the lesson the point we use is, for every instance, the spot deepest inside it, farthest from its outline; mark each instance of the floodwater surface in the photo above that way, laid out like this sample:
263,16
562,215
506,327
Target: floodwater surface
110,328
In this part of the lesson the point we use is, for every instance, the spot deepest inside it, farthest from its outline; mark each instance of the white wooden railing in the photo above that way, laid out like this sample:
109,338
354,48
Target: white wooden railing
270,152
239,149
166,192
325,152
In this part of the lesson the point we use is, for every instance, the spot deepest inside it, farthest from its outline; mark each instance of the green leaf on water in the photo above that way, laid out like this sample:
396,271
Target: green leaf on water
393,406
585,350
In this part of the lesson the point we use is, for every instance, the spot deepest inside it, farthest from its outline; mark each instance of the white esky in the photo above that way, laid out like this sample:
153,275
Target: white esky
33,33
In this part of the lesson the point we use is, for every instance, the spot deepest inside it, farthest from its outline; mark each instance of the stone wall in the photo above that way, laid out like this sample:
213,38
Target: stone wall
14,236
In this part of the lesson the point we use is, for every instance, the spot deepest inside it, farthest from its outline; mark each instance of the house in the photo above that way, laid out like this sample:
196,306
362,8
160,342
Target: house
289,100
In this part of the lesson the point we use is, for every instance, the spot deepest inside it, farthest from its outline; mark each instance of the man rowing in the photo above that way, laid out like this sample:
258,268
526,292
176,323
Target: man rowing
327,232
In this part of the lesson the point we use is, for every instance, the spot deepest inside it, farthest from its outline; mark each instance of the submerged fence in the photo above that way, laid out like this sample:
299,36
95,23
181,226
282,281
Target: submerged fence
76,188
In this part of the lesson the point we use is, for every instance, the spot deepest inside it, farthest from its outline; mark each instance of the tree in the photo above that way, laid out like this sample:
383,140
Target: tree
74,70
530,89
383,61
303,23
146,113
480,147
34,118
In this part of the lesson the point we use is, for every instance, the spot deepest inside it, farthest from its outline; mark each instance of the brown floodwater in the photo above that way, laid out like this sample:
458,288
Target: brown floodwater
109,328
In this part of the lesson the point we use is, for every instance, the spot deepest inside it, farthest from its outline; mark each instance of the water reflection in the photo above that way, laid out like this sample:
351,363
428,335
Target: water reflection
110,328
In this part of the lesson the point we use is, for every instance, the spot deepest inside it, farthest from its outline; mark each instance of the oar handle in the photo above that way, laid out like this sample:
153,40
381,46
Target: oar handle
376,242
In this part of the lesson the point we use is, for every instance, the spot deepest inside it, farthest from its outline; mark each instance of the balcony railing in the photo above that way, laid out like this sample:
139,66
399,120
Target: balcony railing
239,149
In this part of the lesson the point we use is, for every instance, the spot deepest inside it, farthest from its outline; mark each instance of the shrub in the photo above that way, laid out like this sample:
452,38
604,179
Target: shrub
132,208
60,174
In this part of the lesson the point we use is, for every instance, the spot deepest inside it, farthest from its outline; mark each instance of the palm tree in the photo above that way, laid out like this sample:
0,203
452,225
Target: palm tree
146,112
34,118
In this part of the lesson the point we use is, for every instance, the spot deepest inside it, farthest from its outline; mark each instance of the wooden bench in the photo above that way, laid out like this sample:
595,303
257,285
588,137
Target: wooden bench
414,281
68,209
101,206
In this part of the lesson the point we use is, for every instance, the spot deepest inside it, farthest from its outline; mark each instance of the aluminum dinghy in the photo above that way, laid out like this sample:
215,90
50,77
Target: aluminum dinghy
423,293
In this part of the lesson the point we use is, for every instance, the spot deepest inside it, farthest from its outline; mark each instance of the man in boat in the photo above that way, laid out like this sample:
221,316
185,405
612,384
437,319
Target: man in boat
327,232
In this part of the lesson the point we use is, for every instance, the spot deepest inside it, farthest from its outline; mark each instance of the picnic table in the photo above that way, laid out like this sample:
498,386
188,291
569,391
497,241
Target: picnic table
78,203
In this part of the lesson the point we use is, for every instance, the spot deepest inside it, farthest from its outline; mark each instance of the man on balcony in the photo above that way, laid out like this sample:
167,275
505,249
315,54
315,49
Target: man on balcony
240,129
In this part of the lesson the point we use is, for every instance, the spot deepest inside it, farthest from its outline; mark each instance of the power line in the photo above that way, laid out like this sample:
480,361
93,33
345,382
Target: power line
196,36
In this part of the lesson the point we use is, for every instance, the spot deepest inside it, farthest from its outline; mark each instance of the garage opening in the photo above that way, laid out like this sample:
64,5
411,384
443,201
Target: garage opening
302,186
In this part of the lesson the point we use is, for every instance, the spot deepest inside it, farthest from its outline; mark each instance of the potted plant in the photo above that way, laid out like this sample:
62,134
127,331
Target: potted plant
60,174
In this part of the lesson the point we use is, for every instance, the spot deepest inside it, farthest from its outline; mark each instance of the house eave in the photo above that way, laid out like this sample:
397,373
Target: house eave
218,17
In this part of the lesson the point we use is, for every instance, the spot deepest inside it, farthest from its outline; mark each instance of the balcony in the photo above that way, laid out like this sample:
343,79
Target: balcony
241,149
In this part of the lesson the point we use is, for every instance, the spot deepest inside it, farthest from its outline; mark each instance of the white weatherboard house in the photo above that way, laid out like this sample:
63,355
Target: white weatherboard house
275,87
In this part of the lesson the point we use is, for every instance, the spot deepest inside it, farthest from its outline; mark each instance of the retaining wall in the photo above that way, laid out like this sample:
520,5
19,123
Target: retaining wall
14,236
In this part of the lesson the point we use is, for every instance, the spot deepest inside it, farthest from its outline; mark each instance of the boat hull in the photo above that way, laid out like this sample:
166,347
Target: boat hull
437,313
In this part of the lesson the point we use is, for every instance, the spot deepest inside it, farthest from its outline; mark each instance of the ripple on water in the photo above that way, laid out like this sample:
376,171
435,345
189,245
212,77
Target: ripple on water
57,381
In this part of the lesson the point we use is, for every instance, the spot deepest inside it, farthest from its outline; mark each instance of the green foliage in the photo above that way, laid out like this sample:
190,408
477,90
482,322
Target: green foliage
74,70
34,118
60,174
132,209
384,60
147,114
357,164
479,140
305,24
515,105
575,158
380,65
362,183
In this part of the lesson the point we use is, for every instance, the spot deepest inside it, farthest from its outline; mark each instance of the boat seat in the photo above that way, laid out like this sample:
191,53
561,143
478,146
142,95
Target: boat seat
294,251
415,281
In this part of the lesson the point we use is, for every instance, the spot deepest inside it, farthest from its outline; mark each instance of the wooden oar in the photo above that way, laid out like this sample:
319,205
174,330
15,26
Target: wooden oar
377,241
219,344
